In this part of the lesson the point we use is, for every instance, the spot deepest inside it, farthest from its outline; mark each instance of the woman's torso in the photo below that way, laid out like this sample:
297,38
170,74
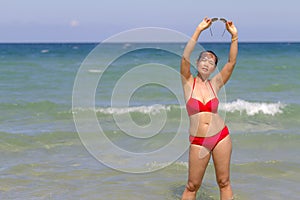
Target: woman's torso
205,121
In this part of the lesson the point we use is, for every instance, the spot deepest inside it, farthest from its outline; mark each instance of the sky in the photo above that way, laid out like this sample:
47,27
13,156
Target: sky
97,20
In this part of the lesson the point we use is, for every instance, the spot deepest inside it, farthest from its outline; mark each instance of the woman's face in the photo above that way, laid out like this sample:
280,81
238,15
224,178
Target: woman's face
206,64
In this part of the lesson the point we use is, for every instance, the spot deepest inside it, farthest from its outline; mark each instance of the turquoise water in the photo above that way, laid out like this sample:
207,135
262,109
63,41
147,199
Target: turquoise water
43,156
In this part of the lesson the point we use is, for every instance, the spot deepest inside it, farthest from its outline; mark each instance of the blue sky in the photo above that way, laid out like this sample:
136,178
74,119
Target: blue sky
96,20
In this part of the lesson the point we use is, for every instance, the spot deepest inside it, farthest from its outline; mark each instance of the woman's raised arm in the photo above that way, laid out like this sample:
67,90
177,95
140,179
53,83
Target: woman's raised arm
185,61
224,75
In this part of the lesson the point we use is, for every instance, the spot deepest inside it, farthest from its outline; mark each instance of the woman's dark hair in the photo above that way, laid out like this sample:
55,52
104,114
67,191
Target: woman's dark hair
209,51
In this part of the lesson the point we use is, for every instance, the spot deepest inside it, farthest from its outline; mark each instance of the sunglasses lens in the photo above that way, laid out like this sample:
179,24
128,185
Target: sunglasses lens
214,19
223,20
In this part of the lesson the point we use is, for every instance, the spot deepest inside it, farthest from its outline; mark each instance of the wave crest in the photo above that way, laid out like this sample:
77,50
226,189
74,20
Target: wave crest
252,108
239,105
153,109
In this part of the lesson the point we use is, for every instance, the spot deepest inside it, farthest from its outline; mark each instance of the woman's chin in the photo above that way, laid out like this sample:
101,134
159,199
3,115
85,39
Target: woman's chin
204,73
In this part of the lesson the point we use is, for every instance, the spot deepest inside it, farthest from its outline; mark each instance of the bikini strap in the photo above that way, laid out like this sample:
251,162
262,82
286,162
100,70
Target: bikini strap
212,88
194,83
193,86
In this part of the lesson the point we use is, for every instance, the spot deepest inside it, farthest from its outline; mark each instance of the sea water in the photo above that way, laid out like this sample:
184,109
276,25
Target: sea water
43,155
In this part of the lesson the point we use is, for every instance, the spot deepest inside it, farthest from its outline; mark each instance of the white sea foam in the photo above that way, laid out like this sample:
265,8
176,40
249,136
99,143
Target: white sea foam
156,165
95,71
45,51
153,109
252,108
239,105
127,45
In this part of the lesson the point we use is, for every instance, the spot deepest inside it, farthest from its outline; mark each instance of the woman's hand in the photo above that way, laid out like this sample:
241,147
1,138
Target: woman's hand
231,28
206,22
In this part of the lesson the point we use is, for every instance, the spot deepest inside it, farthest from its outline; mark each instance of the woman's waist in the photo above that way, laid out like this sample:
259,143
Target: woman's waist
206,129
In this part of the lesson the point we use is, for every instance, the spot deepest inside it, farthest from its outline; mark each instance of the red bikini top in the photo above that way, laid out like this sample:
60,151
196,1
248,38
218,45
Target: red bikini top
194,106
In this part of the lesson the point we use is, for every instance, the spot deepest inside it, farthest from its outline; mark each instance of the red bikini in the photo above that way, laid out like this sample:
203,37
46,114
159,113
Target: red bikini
210,142
195,106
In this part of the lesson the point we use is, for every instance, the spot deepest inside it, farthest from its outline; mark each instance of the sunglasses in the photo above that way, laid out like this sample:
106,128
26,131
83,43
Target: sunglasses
216,19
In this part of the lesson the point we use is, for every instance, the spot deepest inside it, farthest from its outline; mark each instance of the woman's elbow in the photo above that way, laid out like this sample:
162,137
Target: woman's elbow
232,62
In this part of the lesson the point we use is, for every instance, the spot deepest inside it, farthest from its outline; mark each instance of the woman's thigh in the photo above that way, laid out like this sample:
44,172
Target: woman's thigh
221,157
199,157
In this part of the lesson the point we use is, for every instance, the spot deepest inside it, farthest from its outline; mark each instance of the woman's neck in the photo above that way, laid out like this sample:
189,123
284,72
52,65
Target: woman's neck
202,78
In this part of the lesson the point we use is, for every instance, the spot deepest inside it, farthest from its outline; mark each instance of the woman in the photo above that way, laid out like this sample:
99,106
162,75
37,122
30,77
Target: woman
209,135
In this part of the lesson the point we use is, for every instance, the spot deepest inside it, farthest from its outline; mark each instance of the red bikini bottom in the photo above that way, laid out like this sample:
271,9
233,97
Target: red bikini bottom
212,141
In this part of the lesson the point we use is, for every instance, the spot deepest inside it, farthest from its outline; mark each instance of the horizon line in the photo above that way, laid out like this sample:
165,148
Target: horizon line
93,42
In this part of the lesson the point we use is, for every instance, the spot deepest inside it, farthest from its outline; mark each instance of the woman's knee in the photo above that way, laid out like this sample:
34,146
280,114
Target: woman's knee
223,182
192,186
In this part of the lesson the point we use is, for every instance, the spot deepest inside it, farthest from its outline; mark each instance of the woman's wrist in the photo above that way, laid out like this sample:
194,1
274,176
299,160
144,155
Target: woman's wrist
199,29
234,38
